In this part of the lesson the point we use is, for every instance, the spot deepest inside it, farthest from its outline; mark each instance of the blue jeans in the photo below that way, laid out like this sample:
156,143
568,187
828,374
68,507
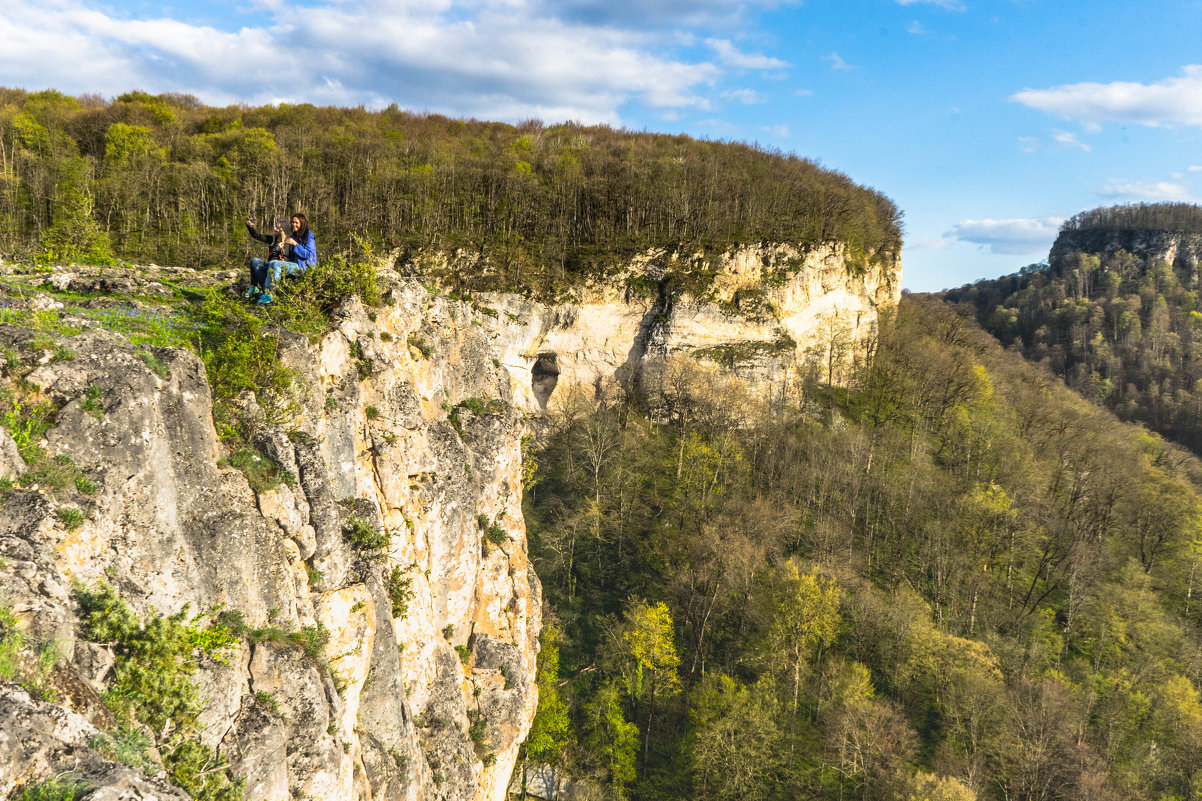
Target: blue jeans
265,274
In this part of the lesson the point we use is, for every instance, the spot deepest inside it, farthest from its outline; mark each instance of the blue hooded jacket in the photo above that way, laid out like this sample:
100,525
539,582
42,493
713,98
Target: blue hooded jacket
305,254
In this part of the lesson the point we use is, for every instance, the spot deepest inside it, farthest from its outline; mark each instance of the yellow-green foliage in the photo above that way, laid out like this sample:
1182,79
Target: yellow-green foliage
955,577
151,683
241,352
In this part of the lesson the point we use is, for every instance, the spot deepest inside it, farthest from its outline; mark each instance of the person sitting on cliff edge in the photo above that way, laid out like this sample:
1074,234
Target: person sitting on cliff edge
294,253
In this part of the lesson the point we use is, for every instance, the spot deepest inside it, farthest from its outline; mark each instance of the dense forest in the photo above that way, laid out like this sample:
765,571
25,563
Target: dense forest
1121,326
166,179
958,580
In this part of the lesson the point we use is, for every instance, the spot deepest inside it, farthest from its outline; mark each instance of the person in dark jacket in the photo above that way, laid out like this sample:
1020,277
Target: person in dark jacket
298,251
260,269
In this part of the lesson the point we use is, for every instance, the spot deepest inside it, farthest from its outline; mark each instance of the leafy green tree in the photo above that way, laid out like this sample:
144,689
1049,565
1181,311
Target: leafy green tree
612,742
805,615
736,748
551,729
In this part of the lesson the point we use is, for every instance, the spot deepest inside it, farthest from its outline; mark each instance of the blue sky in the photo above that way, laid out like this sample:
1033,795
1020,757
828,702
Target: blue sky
986,121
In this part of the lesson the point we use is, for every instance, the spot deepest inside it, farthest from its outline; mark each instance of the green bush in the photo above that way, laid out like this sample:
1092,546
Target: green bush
151,683
364,537
241,352
261,472
71,518
399,586
307,302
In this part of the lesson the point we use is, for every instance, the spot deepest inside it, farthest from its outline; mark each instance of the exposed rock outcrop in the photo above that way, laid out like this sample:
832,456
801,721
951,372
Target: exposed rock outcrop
764,313
431,651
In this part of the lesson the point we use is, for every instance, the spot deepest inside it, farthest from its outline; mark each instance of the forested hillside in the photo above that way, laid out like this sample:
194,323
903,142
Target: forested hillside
166,179
958,580
1122,325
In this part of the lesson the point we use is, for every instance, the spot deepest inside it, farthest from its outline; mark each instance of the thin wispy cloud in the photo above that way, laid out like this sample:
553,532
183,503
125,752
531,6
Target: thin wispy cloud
1117,189
1169,103
1014,237
1070,140
948,5
747,97
1028,144
731,56
836,62
916,28
803,93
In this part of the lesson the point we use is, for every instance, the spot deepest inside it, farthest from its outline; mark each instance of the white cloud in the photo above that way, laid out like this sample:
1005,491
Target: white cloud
495,59
1146,190
949,5
930,244
779,131
748,97
916,28
803,93
1011,237
649,14
731,56
1194,168
1028,144
836,62
1168,103
1070,140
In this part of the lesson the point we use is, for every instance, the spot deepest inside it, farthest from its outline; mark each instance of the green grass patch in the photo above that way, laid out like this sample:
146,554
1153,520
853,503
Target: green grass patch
159,327
91,401
261,472
54,789
154,363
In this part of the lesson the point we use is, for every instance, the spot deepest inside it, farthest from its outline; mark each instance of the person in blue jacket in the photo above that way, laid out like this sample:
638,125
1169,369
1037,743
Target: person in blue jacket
297,253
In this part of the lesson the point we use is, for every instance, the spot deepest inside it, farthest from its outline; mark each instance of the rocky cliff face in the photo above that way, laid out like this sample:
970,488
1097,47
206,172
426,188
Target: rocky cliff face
765,313
1181,251
430,700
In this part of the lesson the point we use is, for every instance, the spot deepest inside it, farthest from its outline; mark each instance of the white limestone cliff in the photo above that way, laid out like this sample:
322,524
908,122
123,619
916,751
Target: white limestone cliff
764,313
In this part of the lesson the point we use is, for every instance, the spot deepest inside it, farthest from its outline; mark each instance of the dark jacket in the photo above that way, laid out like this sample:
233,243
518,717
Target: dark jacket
275,250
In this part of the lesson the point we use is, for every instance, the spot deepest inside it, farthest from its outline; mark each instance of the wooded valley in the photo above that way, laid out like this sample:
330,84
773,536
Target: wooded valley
957,580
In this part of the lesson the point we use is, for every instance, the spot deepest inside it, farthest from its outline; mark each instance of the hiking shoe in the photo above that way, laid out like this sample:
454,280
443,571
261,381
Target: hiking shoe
264,299
251,292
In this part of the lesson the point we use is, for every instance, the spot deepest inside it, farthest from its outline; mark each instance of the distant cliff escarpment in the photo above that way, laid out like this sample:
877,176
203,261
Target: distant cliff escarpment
1159,233
1115,311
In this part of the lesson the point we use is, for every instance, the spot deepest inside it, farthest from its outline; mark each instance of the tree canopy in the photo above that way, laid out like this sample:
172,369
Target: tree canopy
955,580
164,178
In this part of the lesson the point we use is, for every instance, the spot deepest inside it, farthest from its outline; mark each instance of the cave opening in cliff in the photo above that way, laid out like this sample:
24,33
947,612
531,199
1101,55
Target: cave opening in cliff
544,376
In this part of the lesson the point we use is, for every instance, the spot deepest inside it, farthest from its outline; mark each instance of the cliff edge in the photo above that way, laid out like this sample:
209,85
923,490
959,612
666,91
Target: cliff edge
393,541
